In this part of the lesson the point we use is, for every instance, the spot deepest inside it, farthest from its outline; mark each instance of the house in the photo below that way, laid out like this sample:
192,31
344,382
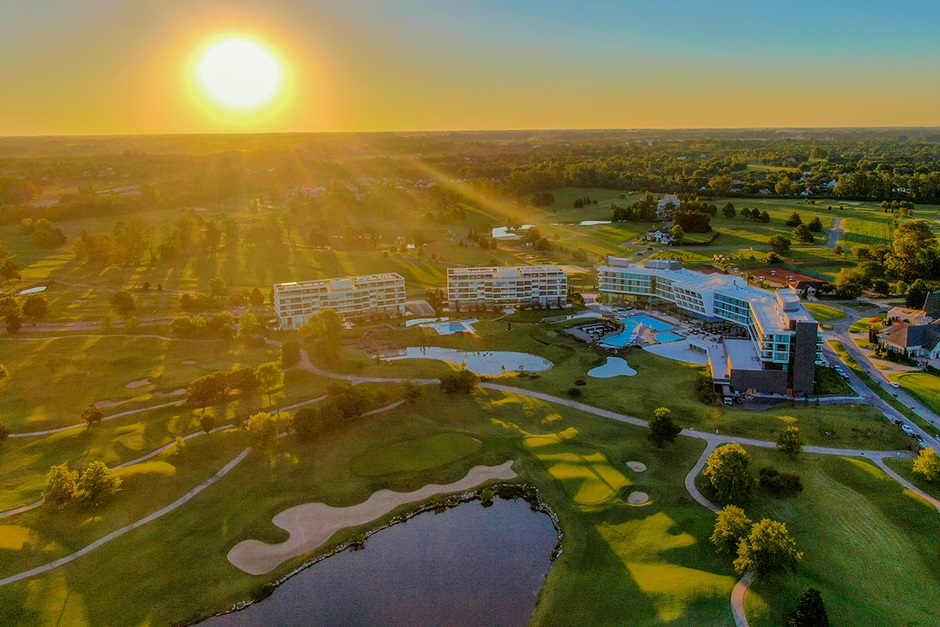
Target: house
921,340
666,205
662,235
932,305
913,317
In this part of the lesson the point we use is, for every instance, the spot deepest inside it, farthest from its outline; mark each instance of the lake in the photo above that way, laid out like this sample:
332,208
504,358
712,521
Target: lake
468,565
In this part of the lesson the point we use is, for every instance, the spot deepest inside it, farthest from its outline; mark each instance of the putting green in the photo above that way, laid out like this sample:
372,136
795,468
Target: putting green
413,455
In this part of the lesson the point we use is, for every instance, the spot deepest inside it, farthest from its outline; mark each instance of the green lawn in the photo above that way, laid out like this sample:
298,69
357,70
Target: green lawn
651,563
824,313
863,325
95,369
873,556
922,386
904,466
414,455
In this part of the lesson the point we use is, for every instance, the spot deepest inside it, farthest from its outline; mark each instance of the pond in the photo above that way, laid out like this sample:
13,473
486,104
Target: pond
480,362
613,367
469,565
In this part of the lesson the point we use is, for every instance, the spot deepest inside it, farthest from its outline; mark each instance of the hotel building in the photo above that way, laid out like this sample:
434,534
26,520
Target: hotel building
545,286
352,297
784,346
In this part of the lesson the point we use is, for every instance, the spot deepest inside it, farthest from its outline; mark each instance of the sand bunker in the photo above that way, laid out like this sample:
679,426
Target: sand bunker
312,524
638,498
636,466
179,392
138,384
189,362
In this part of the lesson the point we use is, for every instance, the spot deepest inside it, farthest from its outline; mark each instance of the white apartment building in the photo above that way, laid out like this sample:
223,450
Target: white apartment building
783,333
351,297
504,287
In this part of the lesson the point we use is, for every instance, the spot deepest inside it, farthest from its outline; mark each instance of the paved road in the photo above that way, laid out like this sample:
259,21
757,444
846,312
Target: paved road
835,232
841,332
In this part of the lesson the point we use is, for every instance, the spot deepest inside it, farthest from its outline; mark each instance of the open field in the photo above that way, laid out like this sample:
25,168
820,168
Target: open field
659,382
824,313
649,562
873,559
137,371
922,386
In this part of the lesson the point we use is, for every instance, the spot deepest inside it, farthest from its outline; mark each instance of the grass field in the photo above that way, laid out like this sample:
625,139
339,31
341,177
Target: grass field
95,369
904,466
872,559
651,563
659,382
922,386
435,450
825,313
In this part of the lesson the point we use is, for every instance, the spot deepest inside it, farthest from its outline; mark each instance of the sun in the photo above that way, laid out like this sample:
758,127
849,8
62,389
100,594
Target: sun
239,73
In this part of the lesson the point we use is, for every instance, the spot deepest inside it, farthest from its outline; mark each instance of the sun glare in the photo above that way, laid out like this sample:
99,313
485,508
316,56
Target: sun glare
239,73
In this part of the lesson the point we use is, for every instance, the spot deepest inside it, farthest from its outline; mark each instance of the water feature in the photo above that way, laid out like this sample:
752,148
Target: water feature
468,565
505,232
32,290
451,327
614,367
480,362
631,323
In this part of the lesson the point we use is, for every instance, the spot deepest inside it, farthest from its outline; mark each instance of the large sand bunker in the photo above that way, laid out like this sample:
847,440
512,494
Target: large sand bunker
312,524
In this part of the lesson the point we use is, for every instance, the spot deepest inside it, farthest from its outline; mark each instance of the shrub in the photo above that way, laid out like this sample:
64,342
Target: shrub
779,485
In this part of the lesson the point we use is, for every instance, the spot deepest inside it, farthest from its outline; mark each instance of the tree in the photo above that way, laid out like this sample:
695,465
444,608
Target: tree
678,233
815,225
914,250
767,548
764,216
4,373
412,391
325,331
461,382
245,380
810,611
61,484
10,310
207,390
662,428
207,422
728,210
35,307
290,354
256,299
123,303
729,472
4,432
916,294
97,484
850,283
249,324
92,415
270,376
263,432
927,465
794,219
731,527
780,244
802,235
791,441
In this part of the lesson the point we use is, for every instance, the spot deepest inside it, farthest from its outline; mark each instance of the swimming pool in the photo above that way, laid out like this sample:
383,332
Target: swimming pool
653,323
668,336
451,327
663,331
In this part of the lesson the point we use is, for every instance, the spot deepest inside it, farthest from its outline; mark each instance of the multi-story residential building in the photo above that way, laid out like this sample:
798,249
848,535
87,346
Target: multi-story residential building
352,297
784,346
545,286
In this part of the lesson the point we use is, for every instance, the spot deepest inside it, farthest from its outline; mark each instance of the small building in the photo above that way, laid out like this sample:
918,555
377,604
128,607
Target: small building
932,304
666,205
921,340
914,317
662,235
366,296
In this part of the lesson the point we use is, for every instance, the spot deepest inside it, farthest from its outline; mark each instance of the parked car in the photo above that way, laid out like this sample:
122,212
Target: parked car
907,429
895,384
898,422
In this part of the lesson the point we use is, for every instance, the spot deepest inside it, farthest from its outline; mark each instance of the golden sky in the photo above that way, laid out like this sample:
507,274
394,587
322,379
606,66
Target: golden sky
113,66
